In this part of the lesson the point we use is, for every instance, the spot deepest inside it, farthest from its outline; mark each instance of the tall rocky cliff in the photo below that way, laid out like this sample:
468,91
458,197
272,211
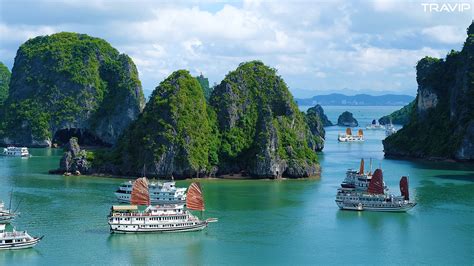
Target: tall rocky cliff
174,136
69,84
442,125
263,134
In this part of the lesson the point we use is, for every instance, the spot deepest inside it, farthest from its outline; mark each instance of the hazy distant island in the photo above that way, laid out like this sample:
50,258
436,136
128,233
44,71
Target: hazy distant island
88,93
359,99
441,120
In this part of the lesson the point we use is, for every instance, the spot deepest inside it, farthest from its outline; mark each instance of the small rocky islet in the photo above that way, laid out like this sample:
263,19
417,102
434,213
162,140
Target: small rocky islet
346,119
72,85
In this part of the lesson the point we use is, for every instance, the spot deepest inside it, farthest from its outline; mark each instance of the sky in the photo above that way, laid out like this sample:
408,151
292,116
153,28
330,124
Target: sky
318,47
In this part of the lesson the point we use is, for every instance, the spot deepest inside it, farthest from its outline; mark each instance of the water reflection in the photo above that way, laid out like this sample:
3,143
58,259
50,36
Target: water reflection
145,249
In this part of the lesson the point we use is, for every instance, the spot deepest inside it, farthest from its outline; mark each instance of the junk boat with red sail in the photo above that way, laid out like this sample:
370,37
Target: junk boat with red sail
366,191
159,218
348,137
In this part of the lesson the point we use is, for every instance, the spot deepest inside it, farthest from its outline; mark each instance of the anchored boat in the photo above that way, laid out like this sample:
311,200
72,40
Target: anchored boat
16,152
160,218
375,125
390,129
6,215
16,239
348,137
366,191
160,193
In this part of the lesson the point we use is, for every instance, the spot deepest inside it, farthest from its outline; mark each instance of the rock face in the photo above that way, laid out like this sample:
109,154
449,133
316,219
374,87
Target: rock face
318,109
399,117
316,125
263,134
204,82
442,125
69,84
174,135
347,120
74,160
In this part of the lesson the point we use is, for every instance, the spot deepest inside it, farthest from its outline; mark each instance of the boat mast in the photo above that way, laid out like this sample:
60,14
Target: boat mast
370,165
10,204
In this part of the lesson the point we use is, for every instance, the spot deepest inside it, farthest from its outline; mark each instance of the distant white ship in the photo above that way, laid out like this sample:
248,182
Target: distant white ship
390,129
374,125
16,151
348,137
16,239
160,193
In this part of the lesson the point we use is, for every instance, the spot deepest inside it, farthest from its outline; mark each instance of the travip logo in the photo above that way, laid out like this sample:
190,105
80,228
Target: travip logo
446,7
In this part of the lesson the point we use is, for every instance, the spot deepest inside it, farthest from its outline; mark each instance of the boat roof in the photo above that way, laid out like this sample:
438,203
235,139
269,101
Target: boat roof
124,207
2,227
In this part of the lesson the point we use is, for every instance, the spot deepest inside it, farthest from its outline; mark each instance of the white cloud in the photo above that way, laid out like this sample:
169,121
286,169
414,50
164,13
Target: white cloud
321,45
446,34
23,32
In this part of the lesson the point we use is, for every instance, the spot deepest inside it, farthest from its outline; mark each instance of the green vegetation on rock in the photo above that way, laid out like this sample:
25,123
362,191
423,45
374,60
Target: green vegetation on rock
442,123
4,82
399,117
263,133
346,119
316,125
174,135
69,80
204,82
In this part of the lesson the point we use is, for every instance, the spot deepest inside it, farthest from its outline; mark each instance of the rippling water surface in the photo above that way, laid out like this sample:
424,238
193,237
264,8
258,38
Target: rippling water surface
260,222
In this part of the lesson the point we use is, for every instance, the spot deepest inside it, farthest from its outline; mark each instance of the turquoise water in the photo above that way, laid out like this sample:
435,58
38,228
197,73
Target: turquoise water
260,222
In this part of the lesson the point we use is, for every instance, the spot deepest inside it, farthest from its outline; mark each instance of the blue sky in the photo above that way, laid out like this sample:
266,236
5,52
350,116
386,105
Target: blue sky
318,47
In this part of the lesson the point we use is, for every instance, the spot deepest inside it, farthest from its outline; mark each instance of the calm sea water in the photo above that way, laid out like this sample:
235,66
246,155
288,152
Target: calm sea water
260,222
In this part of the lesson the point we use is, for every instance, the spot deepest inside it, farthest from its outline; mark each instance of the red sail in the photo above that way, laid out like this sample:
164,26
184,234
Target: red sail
348,131
140,194
404,187
360,132
194,199
361,169
376,183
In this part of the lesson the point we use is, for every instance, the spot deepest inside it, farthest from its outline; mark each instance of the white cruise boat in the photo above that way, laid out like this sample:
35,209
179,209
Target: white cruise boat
160,193
390,129
348,137
16,239
157,219
375,125
360,191
6,215
16,151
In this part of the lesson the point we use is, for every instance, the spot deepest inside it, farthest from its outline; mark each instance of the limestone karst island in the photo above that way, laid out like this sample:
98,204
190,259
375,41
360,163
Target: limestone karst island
236,132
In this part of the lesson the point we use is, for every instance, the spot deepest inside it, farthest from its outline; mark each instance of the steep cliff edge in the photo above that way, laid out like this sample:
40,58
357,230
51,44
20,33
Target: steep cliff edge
263,134
70,84
442,124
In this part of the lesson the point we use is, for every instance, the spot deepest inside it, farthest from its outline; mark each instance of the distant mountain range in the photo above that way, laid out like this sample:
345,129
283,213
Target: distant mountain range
359,99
